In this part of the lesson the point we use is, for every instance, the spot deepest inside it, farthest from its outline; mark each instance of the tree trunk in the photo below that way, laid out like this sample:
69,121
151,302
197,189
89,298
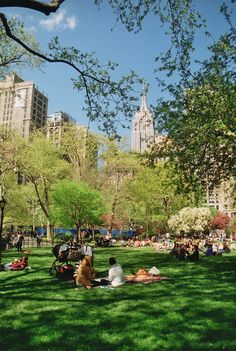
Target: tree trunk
114,204
78,232
1,226
48,231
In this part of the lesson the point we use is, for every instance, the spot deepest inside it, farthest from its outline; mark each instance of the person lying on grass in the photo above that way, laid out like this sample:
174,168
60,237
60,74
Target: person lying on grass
16,265
144,276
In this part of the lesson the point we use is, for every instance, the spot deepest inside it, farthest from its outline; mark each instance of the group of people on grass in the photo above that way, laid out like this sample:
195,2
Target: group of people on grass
15,240
185,250
85,275
164,243
190,249
84,272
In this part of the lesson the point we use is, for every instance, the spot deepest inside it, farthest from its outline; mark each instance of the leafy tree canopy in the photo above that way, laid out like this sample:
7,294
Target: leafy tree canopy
14,57
76,203
200,120
42,164
198,116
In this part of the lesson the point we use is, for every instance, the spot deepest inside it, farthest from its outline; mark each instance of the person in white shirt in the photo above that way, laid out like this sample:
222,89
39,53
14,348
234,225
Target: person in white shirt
115,274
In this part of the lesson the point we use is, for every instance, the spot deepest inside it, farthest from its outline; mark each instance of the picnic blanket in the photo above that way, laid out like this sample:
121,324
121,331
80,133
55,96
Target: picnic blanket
143,276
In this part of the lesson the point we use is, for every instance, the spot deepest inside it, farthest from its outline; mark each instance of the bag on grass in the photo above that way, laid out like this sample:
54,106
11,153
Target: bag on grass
66,272
154,271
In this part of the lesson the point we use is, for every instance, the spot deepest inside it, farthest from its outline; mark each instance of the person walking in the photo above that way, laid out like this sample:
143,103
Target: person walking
38,240
19,242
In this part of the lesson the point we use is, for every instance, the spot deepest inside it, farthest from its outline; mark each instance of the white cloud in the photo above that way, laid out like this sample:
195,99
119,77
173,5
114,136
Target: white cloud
71,22
59,20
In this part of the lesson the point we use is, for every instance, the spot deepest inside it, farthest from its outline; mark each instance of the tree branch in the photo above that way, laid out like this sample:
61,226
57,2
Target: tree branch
46,8
15,60
45,58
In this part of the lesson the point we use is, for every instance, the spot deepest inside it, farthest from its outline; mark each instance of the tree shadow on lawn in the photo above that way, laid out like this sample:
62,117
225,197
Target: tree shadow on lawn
193,311
123,319
52,332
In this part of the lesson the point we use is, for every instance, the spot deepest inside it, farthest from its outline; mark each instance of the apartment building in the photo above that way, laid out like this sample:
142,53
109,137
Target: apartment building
222,198
22,106
56,123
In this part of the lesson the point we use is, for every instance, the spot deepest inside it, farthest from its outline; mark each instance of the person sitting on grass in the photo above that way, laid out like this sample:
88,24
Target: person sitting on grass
85,273
194,256
115,274
209,251
182,252
226,248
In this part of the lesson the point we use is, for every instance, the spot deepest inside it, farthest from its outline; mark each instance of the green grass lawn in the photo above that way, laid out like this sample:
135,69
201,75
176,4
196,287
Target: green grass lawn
194,310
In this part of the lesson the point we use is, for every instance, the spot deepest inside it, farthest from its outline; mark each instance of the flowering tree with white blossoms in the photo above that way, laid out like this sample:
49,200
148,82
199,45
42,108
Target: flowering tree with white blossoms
190,220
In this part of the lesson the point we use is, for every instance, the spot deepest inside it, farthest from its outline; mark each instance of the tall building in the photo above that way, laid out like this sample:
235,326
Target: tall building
22,106
222,198
143,134
55,125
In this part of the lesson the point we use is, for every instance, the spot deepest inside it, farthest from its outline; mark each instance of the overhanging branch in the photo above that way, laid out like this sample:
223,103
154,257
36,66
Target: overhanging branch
83,74
46,8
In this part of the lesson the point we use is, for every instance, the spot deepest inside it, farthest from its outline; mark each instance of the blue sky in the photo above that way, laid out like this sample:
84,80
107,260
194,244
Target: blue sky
81,24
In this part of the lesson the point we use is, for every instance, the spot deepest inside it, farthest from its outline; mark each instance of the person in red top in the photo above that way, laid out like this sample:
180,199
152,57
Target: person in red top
16,265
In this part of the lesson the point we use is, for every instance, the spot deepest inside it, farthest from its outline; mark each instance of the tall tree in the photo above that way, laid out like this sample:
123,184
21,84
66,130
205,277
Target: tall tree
200,120
76,204
23,206
117,166
157,193
80,148
42,165
8,149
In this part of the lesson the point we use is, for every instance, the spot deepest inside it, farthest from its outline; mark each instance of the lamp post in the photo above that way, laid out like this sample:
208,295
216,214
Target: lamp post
2,207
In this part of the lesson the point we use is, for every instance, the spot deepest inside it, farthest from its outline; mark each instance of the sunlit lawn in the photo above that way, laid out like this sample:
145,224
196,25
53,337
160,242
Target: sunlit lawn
194,310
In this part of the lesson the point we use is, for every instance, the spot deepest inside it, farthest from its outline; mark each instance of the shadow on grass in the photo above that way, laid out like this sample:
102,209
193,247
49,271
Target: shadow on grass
194,310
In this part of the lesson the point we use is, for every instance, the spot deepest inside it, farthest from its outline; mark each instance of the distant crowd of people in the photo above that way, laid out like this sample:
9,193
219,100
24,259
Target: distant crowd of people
17,239
185,248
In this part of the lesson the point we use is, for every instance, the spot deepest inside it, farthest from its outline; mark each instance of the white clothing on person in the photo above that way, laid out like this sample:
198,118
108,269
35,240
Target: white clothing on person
116,275
87,250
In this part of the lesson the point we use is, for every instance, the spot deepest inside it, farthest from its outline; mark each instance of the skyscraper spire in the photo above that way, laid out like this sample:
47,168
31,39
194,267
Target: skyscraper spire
143,105
143,133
